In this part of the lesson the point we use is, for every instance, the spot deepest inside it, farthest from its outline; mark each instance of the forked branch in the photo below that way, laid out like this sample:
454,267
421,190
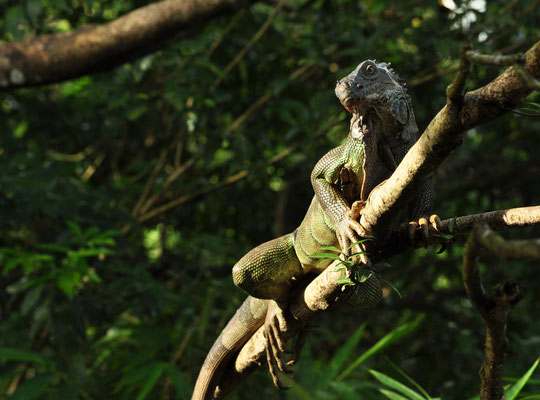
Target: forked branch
494,308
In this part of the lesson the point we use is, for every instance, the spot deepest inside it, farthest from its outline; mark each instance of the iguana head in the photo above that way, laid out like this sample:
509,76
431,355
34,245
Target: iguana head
375,90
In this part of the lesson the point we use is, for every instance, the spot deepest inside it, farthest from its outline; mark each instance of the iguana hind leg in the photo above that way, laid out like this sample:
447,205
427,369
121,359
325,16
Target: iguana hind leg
266,272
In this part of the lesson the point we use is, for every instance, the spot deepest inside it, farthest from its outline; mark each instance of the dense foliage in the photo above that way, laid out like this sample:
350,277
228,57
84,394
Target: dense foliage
127,196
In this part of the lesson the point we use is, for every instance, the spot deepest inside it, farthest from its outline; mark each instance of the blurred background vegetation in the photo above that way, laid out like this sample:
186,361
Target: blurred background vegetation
127,196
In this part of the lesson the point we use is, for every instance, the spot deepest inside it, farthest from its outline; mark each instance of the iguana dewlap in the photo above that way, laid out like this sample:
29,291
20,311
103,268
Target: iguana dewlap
382,130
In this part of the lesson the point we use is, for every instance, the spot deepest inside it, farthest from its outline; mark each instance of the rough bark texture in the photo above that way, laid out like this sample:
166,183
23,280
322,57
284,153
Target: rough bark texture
57,57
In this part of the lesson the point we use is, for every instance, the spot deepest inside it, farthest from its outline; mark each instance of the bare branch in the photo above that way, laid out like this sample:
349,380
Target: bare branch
493,309
494,59
61,56
496,220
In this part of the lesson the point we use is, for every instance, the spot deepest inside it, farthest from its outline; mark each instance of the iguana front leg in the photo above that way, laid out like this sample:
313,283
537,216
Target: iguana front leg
324,179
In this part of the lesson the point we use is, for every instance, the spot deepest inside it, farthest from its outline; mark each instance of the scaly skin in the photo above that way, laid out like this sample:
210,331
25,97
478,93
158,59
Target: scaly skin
382,130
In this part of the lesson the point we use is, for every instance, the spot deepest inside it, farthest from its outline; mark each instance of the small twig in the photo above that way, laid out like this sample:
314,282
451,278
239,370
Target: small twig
149,183
190,196
88,172
299,73
454,91
499,60
252,41
418,80
232,23
288,151
170,179
81,155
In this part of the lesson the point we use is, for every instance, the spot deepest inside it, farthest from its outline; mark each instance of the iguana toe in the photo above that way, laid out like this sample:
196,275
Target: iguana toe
424,225
276,324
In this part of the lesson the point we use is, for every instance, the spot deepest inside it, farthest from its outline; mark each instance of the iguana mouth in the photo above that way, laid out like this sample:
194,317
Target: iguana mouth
352,105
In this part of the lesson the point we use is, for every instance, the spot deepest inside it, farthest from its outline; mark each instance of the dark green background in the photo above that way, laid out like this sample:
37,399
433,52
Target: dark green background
96,305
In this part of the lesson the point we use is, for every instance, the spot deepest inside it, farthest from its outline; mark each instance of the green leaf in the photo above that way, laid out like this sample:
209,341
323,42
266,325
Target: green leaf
363,275
326,256
76,229
344,280
514,390
53,247
151,380
339,359
179,380
10,354
93,276
395,289
331,248
68,280
34,388
386,341
392,395
397,386
30,299
411,380
357,243
359,253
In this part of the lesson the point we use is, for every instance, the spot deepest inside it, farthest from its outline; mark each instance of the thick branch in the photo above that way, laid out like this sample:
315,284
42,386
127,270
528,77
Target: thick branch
443,135
61,56
496,220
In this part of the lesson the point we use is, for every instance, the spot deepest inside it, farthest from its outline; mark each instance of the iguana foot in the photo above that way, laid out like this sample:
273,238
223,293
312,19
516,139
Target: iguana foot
356,207
277,322
423,224
349,232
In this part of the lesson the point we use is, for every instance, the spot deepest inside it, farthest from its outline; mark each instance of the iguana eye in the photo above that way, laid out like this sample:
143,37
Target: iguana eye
370,69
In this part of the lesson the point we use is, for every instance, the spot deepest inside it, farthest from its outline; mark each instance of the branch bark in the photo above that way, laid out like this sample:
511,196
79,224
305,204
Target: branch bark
58,57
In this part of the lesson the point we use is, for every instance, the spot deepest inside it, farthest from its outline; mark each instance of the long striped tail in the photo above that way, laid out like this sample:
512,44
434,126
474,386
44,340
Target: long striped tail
244,323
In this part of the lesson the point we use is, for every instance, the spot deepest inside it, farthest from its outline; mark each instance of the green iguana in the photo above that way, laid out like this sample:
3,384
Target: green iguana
382,130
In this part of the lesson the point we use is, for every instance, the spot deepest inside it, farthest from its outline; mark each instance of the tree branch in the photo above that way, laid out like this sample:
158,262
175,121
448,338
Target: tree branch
58,57
493,309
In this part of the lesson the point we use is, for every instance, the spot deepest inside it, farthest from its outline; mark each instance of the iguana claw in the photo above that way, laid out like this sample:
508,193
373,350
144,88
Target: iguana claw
277,323
423,225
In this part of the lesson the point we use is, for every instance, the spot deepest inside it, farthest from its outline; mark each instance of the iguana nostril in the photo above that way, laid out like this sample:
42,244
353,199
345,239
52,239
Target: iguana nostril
359,86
